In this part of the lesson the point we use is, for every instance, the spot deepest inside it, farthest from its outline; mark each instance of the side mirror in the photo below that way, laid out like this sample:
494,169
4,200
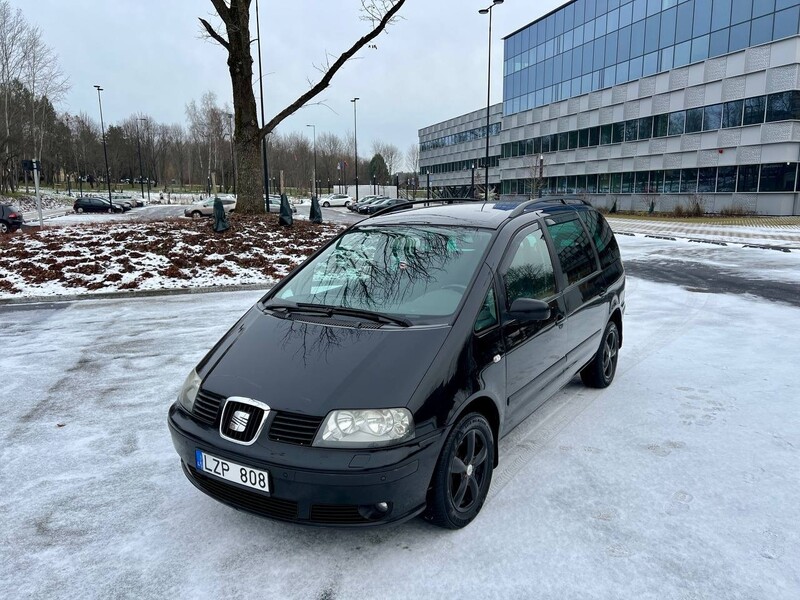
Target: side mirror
530,309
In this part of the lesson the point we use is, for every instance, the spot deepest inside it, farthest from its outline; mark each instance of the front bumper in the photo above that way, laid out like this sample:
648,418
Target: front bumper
315,486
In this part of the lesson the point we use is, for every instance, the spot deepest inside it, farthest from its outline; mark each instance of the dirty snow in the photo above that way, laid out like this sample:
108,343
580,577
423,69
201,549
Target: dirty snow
678,482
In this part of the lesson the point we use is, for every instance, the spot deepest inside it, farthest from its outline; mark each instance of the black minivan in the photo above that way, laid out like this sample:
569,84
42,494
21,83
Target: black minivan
373,383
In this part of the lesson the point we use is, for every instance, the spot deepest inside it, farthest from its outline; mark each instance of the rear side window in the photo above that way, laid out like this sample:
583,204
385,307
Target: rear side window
603,237
530,273
573,248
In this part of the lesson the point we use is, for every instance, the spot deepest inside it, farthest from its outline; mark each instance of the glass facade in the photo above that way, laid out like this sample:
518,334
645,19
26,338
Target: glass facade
460,138
773,177
782,106
589,45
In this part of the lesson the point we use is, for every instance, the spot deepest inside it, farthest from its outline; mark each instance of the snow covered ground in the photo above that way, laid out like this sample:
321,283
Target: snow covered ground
680,481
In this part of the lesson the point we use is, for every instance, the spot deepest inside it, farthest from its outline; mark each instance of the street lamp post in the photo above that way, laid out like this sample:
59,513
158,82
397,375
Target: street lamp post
263,121
139,150
488,11
541,175
141,178
316,191
105,150
472,185
233,156
428,174
355,139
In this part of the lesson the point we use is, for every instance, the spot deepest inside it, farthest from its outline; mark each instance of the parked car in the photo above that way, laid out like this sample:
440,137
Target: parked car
380,204
95,204
275,204
354,206
206,208
127,199
10,218
373,383
335,200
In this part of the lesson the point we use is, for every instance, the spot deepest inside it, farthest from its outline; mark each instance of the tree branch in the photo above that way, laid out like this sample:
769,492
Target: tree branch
223,11
326,79
212,32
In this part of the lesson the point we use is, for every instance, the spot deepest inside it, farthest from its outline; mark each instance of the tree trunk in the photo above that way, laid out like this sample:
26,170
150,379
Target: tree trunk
247,140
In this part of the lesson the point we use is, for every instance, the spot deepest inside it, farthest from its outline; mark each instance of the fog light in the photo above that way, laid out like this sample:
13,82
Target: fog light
375,512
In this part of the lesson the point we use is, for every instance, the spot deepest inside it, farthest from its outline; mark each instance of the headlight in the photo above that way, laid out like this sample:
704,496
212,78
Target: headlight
189,391
365,428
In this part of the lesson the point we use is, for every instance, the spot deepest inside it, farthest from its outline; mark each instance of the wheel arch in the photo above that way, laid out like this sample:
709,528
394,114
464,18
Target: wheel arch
616,317
485,406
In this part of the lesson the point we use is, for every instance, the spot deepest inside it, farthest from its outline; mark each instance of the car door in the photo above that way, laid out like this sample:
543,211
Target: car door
584,287
535,350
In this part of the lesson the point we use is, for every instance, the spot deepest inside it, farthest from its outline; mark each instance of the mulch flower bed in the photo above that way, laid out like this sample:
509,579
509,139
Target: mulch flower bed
174,253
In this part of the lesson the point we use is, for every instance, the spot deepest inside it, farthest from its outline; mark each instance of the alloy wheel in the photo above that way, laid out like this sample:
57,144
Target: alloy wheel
468,470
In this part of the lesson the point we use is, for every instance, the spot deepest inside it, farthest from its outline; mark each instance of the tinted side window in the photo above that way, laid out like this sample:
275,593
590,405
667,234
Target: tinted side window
487,317
573,248
530,273
603,237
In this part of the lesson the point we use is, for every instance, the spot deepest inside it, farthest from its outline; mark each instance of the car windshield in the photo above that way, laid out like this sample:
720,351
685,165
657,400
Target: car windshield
412,271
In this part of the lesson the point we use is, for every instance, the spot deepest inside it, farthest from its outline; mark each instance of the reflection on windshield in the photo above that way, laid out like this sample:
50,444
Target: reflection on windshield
419,270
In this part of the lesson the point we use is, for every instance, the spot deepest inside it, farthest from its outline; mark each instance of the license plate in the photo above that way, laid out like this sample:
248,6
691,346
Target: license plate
231,471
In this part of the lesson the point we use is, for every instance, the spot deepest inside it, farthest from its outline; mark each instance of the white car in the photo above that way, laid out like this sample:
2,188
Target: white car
336,200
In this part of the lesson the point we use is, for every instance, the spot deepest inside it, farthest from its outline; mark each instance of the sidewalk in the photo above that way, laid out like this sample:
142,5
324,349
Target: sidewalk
757,232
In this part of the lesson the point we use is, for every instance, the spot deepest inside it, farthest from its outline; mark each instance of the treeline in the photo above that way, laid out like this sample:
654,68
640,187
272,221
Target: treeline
173,156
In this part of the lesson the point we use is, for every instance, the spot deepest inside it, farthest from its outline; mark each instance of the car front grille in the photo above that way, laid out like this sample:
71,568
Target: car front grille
267,506
206,407
286,427
293,428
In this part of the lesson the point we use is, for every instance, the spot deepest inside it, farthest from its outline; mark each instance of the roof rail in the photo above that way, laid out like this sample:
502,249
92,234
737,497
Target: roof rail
523,206
409,203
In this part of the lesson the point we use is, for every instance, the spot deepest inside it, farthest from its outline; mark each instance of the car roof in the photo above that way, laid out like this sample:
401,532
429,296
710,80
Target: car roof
472,213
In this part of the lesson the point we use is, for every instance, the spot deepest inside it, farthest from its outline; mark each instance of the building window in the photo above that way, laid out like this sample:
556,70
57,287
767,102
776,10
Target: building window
583,138
754,110
656,182
660,125
594,136
627,183
672,181
645,128
783,106
616,183
676,122
732,113
694,120
605,135
777,177
707,179
761,28
642,184
786,21
748,179
712,117
740,36
689,181
619,132
603,183
726,179
631,130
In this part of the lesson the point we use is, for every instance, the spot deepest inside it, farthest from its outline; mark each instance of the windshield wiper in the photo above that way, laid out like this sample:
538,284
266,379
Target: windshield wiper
339,310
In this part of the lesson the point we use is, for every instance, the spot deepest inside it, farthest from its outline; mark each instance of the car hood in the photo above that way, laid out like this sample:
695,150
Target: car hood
310,368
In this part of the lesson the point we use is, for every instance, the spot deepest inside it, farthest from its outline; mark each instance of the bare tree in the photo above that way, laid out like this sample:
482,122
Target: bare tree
412,158
235,17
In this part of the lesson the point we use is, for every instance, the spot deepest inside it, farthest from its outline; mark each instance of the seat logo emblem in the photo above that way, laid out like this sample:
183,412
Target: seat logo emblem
239,421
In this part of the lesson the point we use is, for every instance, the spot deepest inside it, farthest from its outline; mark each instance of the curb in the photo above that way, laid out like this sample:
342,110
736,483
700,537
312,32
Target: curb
720,242
50,300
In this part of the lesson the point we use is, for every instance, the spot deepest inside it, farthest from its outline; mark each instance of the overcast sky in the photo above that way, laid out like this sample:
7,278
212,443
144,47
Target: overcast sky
150,57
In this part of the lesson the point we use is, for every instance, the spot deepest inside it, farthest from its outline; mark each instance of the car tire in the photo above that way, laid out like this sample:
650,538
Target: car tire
79,210
4,227
196,214
463,474
600,372
326,204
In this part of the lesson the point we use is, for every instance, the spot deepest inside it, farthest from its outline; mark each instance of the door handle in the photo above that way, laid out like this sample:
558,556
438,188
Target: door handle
560,318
